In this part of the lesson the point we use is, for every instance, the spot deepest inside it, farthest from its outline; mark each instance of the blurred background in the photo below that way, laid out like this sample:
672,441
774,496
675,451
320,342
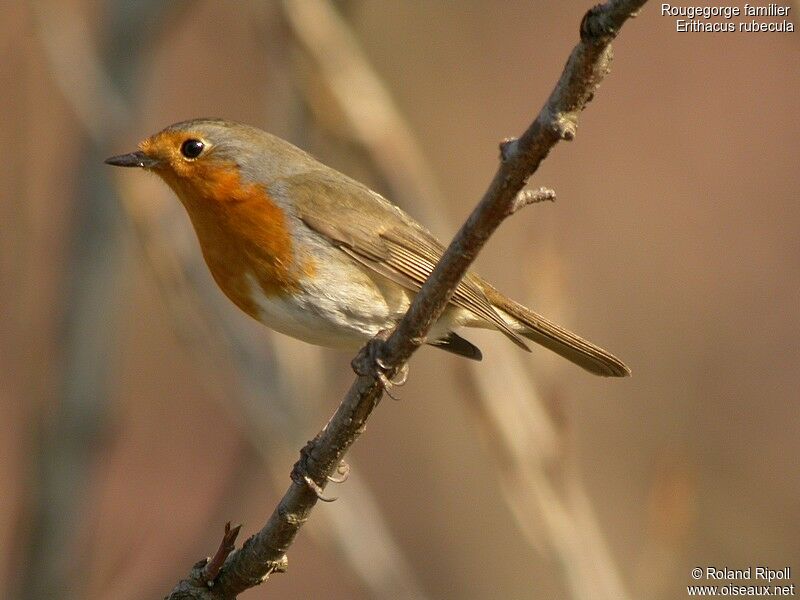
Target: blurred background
141,411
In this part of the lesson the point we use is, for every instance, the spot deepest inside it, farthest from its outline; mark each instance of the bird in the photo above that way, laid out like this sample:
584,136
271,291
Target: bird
314,254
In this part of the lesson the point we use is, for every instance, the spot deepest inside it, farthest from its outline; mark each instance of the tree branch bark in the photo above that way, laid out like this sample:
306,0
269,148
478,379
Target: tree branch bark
264,552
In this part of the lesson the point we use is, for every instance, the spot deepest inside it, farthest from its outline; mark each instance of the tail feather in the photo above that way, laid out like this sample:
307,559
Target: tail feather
561,341
457,345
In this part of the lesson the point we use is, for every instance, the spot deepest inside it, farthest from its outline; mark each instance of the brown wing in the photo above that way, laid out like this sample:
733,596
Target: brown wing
380,236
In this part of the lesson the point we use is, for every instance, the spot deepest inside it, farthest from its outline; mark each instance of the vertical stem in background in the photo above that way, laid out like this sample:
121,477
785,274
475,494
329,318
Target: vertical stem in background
67,440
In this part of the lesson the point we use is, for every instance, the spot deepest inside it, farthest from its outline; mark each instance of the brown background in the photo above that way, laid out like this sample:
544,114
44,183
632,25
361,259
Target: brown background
674,242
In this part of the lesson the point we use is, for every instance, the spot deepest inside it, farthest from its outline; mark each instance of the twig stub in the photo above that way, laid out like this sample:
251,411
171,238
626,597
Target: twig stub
227,545
526,197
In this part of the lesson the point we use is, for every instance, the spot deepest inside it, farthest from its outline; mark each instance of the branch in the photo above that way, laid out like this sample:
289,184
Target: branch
586,67
531,454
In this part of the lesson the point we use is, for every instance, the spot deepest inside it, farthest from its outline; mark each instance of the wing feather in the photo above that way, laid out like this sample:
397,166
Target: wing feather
381,237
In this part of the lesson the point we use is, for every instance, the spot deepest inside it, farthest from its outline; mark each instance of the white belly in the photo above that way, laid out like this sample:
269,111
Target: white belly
341,307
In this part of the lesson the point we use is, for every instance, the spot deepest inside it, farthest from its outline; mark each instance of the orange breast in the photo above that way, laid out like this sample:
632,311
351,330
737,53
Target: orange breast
243,233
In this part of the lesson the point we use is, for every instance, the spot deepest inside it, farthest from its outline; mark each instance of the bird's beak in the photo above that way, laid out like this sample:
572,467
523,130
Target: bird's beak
133,159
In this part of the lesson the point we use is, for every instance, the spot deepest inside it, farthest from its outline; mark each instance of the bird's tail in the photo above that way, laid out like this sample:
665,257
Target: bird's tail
561,341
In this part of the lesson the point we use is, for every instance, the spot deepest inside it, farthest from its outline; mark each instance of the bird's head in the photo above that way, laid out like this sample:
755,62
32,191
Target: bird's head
214,160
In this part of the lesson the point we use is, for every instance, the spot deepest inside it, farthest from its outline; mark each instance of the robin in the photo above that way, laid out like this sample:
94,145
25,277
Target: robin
316,255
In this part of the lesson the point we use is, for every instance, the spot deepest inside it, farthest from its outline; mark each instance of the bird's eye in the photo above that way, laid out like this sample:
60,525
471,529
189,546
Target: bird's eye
192,148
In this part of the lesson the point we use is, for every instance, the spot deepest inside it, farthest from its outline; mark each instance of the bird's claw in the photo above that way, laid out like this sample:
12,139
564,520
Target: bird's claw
400,377
317,489
343,469
388,384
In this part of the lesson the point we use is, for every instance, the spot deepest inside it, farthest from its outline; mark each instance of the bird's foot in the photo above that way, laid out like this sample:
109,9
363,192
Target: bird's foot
370,361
